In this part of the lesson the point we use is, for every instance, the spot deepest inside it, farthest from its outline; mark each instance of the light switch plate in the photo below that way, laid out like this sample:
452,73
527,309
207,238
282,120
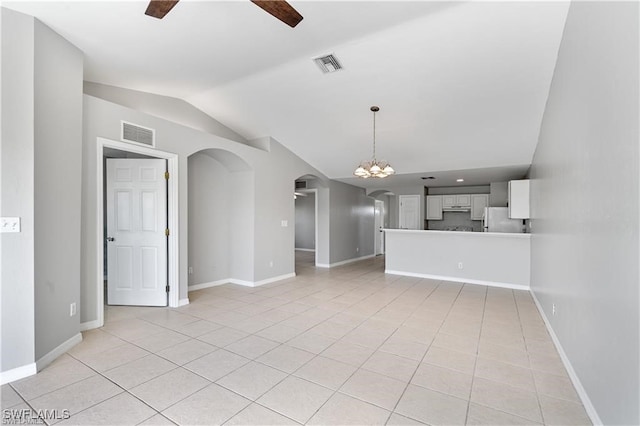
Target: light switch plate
284,223
9,224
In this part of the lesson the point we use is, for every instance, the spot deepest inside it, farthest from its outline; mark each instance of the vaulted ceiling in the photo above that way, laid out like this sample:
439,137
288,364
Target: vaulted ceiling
460,85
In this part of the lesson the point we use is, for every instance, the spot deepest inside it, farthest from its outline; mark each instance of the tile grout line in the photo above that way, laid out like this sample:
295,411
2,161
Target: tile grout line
475,362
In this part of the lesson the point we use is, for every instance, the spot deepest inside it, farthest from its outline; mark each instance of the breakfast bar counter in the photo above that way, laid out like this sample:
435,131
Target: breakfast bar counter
487,258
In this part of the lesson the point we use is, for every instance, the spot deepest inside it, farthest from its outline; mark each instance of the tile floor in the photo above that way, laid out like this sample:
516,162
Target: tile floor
348,345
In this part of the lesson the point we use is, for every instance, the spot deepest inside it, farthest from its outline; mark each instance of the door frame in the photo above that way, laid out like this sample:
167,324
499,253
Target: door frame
313,191
173,274
378,249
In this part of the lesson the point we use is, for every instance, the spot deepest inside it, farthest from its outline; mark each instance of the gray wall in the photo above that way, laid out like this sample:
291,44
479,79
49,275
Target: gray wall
17,186
255,213
306,221
172,109
584,199
41,171
209,229
352,222
58,168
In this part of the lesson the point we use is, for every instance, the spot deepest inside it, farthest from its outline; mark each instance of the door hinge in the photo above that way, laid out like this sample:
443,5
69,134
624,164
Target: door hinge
166,175
166,232
167,289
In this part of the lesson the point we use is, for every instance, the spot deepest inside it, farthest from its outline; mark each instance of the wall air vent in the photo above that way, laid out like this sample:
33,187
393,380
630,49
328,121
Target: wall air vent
301,184
138,134
328,63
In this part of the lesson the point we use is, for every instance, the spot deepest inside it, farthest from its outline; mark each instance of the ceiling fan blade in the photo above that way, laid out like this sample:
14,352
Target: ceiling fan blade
159,8
281,10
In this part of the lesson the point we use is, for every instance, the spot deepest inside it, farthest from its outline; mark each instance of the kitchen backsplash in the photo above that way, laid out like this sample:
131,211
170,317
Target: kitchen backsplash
455,221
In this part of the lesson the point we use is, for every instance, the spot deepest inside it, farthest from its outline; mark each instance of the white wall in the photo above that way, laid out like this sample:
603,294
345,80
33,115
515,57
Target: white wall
306,221
584,205
17,187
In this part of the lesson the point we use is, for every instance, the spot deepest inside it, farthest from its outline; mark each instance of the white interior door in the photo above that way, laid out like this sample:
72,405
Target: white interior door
136,239
378,225
409,212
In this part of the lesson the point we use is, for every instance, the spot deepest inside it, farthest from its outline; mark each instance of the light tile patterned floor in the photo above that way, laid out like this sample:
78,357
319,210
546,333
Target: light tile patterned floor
348,345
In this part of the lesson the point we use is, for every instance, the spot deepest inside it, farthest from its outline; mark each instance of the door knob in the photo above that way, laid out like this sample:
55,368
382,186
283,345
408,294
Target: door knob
110,239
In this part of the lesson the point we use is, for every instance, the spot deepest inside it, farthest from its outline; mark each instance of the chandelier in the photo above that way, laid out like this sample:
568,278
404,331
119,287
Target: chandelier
374,168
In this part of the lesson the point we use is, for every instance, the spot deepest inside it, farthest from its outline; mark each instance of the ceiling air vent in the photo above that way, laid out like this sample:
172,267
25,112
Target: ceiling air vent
328,63
138,134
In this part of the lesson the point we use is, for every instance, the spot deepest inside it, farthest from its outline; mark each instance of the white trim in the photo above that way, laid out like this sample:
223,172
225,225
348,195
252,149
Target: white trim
241,282
274,279
59,350
173,277
582,393
209,284
18,373
345,262
460,280
183,302
303,249
89,325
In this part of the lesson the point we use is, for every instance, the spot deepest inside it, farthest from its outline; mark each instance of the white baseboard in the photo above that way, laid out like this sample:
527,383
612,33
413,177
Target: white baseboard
582,393
274,279
345,262
460,280
90,325
207,285
303,249
241,282
183,302
55,353
18,373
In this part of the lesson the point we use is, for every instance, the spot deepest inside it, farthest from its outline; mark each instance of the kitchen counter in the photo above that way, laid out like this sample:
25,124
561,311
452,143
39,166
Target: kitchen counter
488,258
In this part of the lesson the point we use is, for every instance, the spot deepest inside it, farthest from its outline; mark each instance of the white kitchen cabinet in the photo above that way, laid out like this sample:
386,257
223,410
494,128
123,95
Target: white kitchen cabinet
448,200
463,200
478,203
456,200
434,207
519,199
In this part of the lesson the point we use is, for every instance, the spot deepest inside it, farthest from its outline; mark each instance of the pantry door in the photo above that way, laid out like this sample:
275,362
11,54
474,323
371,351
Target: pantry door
136,202
409,212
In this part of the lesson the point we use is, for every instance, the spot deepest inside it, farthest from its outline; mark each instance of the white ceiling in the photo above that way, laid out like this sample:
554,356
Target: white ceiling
460,85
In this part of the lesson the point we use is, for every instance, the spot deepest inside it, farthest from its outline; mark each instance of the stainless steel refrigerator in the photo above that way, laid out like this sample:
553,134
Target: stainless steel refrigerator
496,219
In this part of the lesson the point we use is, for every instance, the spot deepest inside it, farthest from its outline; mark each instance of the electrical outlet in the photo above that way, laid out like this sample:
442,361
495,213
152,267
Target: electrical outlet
72,309
271,264
357,249
190,270
553,309
284,223
460,265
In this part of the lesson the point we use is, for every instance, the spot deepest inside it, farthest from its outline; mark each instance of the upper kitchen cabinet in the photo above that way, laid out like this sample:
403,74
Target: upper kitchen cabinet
478,203
519,199
456,200
434,207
